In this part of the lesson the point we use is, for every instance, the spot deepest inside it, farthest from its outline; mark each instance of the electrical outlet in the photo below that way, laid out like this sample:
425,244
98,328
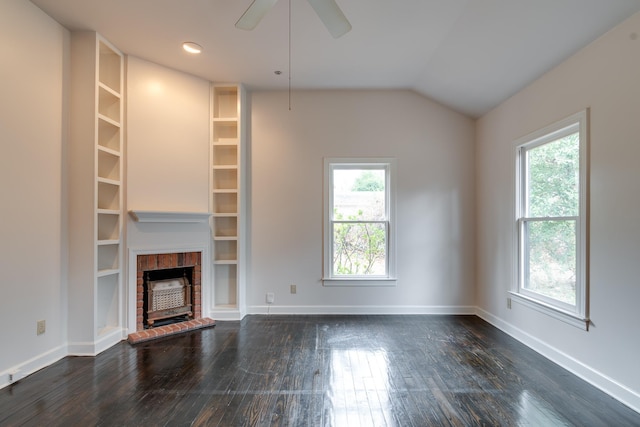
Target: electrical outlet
270,297
509,303
294,289
14,376
41,327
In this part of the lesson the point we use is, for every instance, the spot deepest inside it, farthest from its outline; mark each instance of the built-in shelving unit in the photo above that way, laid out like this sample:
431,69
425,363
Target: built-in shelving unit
228,195
96,195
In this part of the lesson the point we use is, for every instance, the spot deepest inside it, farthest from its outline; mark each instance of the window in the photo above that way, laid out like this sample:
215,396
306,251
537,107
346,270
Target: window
551,206
358,220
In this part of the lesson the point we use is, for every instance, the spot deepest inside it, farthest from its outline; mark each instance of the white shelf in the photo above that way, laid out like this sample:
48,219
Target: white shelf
108,242
108,151
108,120
169,216
226,215
108,272
226,262
109,181
108,89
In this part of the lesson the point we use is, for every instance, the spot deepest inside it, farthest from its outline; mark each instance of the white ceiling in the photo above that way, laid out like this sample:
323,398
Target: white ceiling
467,54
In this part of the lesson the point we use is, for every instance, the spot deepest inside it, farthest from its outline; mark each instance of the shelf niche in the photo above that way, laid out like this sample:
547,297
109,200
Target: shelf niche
108,226
226,227
225,155
226,103
110,67
225,179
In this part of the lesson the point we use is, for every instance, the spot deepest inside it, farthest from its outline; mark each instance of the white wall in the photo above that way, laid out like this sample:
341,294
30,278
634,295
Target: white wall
435,201
33,48
605,77
167,159
167,139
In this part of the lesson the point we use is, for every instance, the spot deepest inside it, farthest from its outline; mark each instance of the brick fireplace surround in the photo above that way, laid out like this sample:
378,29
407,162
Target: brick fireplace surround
153,262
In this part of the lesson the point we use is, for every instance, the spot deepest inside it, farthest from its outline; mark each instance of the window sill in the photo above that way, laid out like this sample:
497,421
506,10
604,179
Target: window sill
565,316
359,281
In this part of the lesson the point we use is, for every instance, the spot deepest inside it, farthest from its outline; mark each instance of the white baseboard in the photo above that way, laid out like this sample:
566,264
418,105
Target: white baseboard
352,309
608,385
225,315
93,348
32,365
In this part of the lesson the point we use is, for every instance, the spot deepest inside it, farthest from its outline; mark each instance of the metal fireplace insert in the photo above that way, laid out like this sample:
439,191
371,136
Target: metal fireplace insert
168,298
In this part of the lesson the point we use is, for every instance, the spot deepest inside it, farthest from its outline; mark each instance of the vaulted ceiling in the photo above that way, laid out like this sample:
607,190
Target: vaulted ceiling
469,55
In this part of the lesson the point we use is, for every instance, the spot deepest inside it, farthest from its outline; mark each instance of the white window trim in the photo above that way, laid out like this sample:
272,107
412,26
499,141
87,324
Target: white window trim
377,162
578,316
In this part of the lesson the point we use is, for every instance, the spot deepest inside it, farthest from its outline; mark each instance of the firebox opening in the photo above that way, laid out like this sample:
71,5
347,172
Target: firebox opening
167,296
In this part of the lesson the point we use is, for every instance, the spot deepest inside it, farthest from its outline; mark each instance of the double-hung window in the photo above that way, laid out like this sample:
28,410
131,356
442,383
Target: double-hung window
551,220
358,221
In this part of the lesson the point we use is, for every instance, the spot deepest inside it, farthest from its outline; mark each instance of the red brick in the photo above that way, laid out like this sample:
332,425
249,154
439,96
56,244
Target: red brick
141,261
152,262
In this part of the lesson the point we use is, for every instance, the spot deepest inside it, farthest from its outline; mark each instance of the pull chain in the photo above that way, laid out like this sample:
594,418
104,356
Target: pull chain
289,55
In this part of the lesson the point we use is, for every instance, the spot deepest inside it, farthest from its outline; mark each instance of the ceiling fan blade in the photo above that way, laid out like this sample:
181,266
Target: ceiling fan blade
332,17
252,16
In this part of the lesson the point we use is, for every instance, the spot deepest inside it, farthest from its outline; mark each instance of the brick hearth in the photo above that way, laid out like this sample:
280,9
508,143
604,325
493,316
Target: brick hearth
166,330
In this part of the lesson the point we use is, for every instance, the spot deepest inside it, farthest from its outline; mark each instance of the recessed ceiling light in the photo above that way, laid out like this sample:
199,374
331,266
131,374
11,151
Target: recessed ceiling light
192,47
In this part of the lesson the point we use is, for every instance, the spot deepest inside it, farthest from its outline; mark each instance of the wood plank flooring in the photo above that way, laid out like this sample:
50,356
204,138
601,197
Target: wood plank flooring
315,371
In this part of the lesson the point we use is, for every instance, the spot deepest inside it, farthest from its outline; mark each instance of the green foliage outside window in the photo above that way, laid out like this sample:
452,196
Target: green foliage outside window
368,181
359,248
553,191
359,243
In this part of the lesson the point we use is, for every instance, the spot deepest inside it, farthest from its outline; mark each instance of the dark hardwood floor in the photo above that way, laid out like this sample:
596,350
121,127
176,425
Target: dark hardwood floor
315,371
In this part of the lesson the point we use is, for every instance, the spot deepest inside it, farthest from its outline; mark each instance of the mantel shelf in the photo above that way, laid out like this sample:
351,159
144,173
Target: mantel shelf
167,216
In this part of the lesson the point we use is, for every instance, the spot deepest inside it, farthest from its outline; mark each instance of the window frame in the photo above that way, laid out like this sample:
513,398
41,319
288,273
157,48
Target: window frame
577,315
331,164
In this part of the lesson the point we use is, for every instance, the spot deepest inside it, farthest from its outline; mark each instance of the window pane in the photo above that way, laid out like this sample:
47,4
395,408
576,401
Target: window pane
550,262
359,249
553,178
359,194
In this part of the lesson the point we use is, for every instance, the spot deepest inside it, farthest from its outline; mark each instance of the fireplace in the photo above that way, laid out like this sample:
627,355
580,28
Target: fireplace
159,241
167,297
168,287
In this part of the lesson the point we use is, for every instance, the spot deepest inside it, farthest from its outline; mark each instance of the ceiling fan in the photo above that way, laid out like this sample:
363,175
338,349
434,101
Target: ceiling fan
327,10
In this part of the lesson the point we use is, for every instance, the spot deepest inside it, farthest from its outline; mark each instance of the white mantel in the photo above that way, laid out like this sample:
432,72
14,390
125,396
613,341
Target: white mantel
169,216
